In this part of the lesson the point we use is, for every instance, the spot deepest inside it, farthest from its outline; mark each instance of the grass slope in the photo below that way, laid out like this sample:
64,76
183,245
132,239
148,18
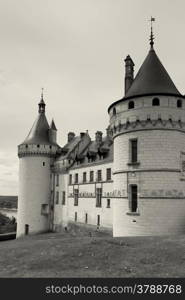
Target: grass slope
68,255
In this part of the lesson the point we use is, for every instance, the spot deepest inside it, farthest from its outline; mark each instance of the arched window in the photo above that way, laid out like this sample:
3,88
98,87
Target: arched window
179,103
131,105
114,111
155,102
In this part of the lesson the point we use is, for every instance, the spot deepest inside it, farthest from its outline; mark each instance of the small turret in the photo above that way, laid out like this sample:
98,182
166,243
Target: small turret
53,132
129,72
41,104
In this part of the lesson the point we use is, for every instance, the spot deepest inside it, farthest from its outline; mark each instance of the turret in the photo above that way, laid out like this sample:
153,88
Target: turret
129,72
41,104
53,132
148,130
36,154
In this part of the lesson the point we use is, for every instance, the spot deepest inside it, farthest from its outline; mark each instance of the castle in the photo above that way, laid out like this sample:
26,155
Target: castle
129,182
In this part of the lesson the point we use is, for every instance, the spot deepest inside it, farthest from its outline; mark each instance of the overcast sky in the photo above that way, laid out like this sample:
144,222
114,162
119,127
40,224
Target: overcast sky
75,50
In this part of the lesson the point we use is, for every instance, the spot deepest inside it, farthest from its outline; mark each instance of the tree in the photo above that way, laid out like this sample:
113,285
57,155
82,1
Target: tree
4,219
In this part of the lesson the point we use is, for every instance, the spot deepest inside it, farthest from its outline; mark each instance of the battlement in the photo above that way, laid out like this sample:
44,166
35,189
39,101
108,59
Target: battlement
166,112
37,150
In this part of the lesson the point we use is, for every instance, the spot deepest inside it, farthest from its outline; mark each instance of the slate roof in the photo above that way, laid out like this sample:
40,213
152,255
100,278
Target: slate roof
39,131
151,78
77,150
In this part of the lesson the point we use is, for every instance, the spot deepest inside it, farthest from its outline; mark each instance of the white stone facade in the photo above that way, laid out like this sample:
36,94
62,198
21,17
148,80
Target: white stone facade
34,199
87,210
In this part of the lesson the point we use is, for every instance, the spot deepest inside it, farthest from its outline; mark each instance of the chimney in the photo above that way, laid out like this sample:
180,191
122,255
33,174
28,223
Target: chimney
82,134
98,137
71,136
129,72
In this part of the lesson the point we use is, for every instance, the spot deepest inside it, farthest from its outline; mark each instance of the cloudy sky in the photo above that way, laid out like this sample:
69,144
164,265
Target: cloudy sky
75,50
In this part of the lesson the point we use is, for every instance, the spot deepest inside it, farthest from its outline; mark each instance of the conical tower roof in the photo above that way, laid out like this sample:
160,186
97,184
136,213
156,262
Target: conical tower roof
39,131
152,78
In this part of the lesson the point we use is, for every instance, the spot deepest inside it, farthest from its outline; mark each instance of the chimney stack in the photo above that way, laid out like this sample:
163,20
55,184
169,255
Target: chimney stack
71,136
82,134
129,72
98,137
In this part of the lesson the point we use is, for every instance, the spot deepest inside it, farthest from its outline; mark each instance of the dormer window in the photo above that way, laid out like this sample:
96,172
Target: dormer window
131,105
179,103
155,102
114,111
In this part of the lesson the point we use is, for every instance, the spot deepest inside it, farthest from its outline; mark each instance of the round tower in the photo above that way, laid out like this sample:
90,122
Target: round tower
148,128
36,154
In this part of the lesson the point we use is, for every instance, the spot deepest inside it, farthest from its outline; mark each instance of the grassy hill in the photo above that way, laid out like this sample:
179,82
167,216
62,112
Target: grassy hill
69,255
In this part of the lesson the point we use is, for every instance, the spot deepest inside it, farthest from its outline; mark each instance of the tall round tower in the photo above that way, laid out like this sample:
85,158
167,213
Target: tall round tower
148,128
36,154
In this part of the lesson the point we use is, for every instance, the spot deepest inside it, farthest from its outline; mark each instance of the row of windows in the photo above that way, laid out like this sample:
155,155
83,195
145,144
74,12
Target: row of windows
98,198
76,197
155,102
86,218
133,202
91,176
38,146
133,150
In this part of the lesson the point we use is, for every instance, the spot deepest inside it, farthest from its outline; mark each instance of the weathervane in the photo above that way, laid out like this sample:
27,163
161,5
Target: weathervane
42,93
151,34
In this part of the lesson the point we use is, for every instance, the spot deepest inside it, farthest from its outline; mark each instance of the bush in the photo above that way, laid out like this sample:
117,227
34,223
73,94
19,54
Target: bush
4,219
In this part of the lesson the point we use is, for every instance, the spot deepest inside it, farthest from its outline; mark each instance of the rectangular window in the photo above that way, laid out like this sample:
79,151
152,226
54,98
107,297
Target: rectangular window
98,197
99,178
109,174
133,151
70,179
98,220
75,197
75,216
84,176
108,203
91,176
57,197
76,178
133,198
44,209
86,218
57,180
63,198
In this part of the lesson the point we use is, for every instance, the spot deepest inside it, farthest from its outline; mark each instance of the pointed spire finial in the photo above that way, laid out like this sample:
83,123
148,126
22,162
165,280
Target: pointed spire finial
151,33
41,103
42,94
